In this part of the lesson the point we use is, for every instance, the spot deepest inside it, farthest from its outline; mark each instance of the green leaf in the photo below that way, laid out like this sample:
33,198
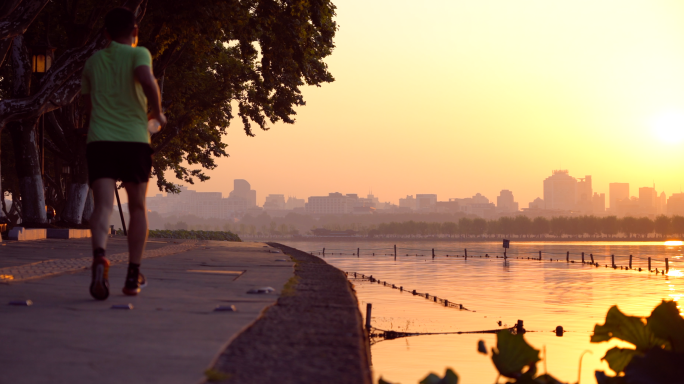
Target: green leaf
512,354
450,377
666,323
618,358
628,328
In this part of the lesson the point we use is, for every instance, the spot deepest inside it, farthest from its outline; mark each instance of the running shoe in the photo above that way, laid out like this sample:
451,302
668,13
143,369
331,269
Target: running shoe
134,281
99,287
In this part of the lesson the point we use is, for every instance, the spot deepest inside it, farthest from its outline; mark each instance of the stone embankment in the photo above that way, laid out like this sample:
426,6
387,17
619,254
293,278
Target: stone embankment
313,334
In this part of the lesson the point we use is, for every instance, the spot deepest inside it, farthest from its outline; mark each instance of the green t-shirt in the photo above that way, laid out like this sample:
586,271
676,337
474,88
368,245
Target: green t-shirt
119,103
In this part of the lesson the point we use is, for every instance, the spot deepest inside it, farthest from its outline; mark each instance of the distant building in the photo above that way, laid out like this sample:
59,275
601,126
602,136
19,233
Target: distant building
205,204
409,202
294,203
617,192
598,202
334,204
537,204
450,206
647,200
675,204
477,205
661,204
426,202
560,191
505,202
274,202
242,190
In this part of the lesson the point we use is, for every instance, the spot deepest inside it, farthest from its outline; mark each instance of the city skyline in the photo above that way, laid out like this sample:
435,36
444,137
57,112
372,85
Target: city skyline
451,121
562,194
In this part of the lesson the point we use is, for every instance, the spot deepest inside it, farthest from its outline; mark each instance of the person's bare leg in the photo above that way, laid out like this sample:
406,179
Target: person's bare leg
103,199
137,230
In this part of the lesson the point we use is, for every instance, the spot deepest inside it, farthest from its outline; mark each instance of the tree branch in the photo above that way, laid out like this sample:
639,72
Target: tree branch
20,18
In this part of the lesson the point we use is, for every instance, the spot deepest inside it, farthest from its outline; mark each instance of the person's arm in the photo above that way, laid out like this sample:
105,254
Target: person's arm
143,74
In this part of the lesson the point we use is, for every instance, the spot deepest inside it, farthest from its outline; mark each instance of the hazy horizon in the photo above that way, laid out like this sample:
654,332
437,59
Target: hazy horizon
465,97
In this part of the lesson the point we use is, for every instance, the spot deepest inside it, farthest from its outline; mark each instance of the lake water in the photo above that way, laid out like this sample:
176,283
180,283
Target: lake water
543,294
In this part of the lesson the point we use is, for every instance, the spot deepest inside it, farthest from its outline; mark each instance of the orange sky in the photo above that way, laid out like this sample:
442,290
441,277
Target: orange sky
459,97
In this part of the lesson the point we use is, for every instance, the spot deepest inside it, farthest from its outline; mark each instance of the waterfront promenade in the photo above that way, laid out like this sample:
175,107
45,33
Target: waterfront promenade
174,333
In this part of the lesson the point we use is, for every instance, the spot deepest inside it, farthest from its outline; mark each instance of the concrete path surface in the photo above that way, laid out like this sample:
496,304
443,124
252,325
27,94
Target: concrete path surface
173,333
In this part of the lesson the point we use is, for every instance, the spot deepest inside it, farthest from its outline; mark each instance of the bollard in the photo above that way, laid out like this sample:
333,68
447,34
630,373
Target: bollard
567,257
667,265
559,331
369,308
649,264
582,257
433,253
519,327
592,257
630,261
395,252
358,254
612,258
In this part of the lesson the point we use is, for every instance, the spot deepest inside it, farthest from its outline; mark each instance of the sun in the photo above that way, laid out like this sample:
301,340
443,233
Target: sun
668,127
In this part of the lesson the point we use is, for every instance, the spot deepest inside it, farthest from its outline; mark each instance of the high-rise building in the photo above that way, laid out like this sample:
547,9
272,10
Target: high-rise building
675,204
598,203
661,204
505,202
617,192
242,190
647,200
560,191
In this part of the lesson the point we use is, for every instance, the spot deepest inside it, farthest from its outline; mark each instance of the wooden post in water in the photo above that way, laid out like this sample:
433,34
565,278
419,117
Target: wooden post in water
369,308
433,253
358,253
466,253
323,252
612,260
582,257
649,264
539,255
592,257
630,261
395,252
667,265
567,257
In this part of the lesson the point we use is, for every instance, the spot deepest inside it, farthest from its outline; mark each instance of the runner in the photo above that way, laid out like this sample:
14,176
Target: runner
117,86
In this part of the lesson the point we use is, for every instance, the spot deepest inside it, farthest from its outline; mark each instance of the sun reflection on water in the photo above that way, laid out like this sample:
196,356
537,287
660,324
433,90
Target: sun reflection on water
673,243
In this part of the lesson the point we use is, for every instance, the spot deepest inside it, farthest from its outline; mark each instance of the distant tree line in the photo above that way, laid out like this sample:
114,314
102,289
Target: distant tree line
539,227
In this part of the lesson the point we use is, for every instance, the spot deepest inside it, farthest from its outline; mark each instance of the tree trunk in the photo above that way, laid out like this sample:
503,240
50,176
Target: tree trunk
3,217
78,186
76,201
25,142
89,207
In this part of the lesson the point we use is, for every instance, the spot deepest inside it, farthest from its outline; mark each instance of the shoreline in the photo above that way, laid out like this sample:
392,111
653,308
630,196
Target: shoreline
313,333
467,240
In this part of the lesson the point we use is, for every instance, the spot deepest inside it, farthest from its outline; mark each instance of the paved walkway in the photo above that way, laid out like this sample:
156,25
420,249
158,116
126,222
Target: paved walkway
173,333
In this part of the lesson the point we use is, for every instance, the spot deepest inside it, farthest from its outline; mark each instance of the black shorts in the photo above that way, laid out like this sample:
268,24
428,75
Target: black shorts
119,160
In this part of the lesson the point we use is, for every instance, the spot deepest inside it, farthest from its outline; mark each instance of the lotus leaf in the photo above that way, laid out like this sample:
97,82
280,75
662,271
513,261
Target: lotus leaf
512,354
666,323
618,358
631,329
450,377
